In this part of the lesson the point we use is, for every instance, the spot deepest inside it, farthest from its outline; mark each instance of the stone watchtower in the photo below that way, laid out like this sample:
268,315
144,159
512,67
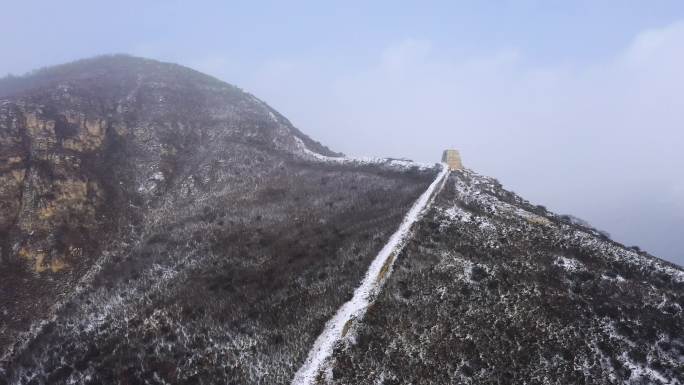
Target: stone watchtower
453,159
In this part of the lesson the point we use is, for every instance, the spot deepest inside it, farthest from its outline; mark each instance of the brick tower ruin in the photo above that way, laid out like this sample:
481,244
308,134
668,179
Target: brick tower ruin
453,159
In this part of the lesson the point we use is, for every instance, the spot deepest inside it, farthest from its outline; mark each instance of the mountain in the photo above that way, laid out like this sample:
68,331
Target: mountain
494,290
159,226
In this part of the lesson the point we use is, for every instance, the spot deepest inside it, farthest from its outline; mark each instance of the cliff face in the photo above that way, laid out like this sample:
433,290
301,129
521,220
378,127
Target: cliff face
111,130
76,142
143,201
51,189
494,290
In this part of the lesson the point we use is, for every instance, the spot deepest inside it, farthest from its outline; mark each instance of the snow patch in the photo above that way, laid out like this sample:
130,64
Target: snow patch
152,182
616,278
641,371
569,264
456,213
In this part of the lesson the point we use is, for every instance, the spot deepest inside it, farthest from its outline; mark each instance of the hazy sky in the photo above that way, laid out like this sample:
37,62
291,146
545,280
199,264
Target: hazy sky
575,105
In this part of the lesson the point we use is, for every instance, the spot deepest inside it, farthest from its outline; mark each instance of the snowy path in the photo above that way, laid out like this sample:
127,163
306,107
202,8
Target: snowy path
376,275
402,163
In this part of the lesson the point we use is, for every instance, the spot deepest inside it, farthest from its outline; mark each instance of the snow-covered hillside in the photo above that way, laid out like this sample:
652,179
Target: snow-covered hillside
492,289
378,271
159,226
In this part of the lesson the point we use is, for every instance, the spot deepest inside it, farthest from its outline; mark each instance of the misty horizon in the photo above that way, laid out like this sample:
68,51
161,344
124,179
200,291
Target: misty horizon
585,121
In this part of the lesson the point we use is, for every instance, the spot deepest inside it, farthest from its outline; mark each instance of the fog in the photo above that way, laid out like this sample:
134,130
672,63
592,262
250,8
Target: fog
585,117
601,141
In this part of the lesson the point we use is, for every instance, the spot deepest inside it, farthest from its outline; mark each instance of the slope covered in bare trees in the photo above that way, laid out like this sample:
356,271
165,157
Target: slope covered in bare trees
492,289
159,225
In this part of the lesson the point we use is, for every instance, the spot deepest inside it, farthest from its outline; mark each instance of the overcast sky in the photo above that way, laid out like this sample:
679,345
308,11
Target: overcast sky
578,105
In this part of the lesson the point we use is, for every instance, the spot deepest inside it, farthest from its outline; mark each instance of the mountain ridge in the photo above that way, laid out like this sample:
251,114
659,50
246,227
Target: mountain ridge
158,225
494,290
142,202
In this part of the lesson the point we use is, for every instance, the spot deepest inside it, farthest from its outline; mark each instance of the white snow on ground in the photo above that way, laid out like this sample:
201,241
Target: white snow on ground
640,372
454,263
616,278
470,190
569,264
364,160
26,337
457,213
355,308
612,251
